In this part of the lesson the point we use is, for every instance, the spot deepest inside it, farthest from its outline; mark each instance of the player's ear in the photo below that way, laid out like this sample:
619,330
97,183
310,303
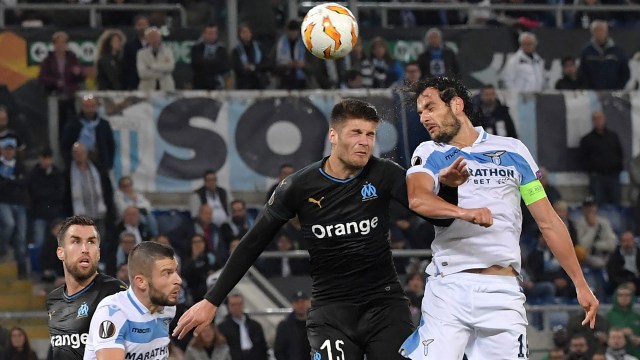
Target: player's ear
333,136
60,253
140,281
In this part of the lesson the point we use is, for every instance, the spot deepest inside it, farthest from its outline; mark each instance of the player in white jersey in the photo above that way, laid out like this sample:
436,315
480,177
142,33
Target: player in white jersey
134,324
472,302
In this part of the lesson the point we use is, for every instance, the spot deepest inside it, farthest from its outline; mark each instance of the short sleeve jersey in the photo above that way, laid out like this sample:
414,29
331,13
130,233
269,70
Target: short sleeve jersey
499,168
346,223
70,316
121,321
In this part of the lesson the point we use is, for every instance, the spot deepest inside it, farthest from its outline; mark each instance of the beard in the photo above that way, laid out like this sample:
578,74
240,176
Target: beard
449,129
158,298
79,274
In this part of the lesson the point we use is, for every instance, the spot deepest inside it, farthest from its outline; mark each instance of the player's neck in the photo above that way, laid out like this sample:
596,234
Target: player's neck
466,137
145,300
337,169
73,286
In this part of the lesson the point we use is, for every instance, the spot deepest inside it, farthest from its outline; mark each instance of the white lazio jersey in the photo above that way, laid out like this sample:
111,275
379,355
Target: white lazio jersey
122,322
498,167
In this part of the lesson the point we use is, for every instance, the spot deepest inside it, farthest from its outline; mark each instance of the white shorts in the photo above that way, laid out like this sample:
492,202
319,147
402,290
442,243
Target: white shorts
481,316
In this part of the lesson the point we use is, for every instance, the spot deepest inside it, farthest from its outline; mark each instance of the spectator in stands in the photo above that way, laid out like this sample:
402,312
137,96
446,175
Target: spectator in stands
129,56
329,74
19,348
6,132
595,235
616,346
123,273
198,267
210,344
524,71
239,223
562,209
552,192
569,80
602,159
61,75
354,80
211,233
411,74
244,335
90,192
599,355
291,341
291,65
579,348
92,131
582,19
285,170
51,266
437,58
596,338
494,117
5,338
131,223
398,241
603,64
545,269
634,177
214,196
209,61
624,263
155,63
414,288
126,242
13,204
384,70
284,266
356,56
623,318
46,187
126,196
250,61
109,60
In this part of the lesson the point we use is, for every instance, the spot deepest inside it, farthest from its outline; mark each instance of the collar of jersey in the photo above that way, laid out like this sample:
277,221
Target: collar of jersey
74,296
334,178
136,303
482,136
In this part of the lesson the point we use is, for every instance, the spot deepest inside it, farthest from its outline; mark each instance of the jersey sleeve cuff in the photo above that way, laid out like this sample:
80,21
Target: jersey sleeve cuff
422,169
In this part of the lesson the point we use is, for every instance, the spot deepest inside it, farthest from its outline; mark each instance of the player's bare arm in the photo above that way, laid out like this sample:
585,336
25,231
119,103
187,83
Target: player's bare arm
110,354
557,237
423,201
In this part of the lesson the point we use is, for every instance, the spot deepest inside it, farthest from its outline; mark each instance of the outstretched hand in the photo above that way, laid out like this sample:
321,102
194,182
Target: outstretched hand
198,316
589,303
455,174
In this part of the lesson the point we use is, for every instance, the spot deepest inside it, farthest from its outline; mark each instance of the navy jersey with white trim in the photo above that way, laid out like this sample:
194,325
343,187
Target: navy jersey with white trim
70,316
346,224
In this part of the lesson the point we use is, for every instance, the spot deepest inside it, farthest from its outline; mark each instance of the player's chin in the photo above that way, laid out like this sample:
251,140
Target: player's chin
360,159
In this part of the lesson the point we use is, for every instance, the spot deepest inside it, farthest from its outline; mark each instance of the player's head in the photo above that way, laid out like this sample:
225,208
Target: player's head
153,273
353,132
79,247
443,104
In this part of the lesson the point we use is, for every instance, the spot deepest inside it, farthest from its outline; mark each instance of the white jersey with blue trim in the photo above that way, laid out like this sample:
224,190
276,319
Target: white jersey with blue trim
498,167
121,321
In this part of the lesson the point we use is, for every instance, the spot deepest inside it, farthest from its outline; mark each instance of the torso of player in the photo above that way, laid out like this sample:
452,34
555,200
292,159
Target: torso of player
346,223
70,316
498,166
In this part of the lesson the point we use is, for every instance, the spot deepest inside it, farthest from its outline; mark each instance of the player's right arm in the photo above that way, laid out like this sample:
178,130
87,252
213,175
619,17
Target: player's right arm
107,331
279,209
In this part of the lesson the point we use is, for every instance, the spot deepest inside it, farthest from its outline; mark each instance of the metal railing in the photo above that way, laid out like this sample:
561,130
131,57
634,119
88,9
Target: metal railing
95,9
557,9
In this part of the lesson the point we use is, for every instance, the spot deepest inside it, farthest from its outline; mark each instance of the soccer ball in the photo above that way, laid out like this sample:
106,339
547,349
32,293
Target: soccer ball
329,31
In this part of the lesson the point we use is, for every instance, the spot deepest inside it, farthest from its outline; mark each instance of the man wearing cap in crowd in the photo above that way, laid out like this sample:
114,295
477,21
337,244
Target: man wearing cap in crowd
291,337
13,204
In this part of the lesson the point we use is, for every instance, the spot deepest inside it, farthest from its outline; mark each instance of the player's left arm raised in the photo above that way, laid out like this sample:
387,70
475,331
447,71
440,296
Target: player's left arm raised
557,237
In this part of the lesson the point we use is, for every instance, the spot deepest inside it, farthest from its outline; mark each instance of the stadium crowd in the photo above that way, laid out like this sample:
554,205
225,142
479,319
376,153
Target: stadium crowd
34,199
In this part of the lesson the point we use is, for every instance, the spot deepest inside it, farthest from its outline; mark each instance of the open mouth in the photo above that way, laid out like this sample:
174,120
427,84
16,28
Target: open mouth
85,263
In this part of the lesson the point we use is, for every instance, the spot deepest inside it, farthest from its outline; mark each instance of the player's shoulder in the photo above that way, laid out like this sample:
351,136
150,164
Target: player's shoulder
114,303
109,284
504,141
56,294
306,172
377,163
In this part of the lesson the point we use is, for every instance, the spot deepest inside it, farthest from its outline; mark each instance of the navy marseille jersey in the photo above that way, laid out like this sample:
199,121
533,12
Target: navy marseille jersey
501,168
70,316
346,223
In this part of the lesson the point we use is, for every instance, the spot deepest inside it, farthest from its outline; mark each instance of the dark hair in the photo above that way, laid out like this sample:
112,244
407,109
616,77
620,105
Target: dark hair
238,201
209,25
353,74
26,349
448,88
207,173
487,86
286,165
566,59
124,178
353,109
46,152
412,63
80,220
293,24
143,256
140,17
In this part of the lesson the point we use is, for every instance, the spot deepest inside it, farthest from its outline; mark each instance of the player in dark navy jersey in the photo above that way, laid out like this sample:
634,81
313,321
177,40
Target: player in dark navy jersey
72,305
358,305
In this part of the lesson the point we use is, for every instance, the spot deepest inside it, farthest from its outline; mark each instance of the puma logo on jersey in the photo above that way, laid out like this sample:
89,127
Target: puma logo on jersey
317,202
